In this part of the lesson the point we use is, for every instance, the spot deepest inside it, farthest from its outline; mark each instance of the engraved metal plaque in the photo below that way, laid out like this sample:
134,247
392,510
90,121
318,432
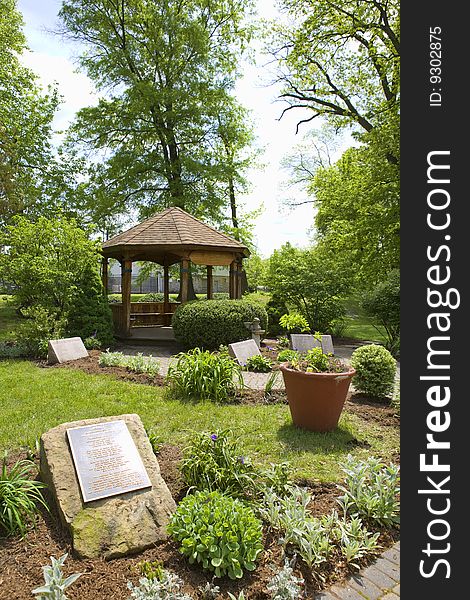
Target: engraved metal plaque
106,460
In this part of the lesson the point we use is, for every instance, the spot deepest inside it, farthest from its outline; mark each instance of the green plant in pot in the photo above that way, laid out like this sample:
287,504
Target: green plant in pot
317,385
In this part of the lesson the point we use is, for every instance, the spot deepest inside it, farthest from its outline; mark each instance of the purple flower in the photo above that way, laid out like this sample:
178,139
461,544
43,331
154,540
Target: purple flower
213,437
241,459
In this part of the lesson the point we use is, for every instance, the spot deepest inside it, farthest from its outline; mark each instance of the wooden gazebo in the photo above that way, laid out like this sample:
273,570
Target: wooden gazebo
169,237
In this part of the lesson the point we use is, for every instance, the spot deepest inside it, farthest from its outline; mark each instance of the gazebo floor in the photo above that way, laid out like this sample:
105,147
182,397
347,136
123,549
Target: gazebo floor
150,333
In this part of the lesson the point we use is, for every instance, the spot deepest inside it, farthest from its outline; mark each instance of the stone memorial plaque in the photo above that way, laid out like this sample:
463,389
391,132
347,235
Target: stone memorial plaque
303,342
242,351
60,351
327,344
106,460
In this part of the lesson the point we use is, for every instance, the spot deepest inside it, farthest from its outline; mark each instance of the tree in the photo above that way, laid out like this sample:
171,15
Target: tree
27,163
383,303
313,281
358,212
341,60
166,69
54,267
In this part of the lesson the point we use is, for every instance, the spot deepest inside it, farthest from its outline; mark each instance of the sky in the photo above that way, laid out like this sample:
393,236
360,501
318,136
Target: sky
53,60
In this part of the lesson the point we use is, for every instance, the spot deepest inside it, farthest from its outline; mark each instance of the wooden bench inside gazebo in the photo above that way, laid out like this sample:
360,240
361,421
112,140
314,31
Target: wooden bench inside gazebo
169,237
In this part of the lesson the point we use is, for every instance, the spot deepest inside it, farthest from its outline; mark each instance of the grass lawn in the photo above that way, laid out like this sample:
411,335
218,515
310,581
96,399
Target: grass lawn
359,325
34,399
8,319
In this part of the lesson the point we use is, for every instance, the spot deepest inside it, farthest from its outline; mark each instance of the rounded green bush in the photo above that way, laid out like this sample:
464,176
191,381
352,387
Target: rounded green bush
375,370
220,533
211,323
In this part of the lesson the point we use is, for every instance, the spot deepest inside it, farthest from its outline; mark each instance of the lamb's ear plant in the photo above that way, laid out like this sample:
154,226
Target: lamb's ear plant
19,497
167,587
285,585
371,490
55,583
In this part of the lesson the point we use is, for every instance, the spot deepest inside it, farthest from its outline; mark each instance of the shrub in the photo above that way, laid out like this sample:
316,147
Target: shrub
258,364
12,350
287,355
383,303
214,462
371,490
55,584
19,497
375,370
40,326
275,308
204,376
294,323
210,323
167,587
283,342
88,313
155,297
311,280
220,533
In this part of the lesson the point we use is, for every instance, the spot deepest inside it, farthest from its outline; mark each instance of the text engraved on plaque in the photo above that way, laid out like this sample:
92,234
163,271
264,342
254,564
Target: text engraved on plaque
106,460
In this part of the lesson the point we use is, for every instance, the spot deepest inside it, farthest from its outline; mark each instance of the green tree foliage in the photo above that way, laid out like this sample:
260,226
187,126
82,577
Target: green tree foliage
89,314
341,59
256,269
166,69
313,281
358,212
383,303
27,165
55,268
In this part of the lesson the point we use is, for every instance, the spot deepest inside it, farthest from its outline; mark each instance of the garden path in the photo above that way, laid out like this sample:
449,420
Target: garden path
379,581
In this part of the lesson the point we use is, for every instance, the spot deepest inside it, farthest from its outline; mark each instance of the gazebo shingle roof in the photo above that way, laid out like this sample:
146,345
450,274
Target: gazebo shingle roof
174,227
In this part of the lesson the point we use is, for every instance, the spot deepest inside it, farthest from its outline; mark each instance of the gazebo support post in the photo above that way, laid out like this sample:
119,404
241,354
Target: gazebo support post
231,280
239,280
166,288
184,280
104,274
210,286
126,280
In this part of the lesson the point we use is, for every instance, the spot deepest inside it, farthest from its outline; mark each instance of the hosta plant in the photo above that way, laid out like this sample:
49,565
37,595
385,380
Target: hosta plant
258,364
371,490
166,587
220,533
55,583
203,375
20,497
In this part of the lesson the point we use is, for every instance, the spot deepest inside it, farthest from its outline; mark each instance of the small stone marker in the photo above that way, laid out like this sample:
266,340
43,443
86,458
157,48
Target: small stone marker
117,525
60,351
106,460
242,351
327,344
303,342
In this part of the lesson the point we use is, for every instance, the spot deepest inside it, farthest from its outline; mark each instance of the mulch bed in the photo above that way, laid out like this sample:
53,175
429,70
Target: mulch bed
21,560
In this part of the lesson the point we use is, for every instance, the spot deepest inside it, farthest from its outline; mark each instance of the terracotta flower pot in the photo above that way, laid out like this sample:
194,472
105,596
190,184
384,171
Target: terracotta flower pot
316,399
